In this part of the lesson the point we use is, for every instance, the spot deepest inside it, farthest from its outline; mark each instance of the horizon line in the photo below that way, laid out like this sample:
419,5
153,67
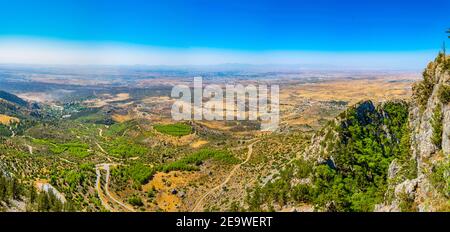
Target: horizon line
22,50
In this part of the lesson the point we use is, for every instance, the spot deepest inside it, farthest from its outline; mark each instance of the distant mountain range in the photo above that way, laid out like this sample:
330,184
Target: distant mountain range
13,98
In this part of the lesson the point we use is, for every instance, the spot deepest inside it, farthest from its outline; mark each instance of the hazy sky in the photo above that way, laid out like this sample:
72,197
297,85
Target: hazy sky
375,34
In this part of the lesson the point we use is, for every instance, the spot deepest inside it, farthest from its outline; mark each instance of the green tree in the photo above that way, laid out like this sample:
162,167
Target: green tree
436,124
43,204
32,194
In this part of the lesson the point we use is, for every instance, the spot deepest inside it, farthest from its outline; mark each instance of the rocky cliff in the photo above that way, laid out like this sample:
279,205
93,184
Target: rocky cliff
400,148
429,124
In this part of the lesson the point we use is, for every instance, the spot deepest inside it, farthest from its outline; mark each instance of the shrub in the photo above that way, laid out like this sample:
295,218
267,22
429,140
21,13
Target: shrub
4,131
302,193
444,93
440,178
406,203
151,193
177,129
422,90
135,201
178,166
304,168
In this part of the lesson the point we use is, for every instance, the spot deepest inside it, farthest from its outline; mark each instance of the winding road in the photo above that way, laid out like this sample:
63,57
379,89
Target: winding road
99,190
104,198
106,167
123,205
200,201
100,132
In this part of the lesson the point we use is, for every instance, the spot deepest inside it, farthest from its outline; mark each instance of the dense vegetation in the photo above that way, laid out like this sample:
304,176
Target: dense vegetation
139,172
124,148
48,202
75,148
371,139
190,162
177,129
354,178
4,131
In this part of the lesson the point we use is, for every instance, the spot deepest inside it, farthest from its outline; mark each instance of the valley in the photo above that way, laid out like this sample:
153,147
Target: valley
104,139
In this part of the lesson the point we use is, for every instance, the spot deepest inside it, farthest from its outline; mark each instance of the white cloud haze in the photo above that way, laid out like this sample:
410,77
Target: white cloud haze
22,50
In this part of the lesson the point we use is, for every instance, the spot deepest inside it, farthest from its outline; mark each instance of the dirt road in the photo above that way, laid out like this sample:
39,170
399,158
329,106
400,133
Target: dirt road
227,179
105,198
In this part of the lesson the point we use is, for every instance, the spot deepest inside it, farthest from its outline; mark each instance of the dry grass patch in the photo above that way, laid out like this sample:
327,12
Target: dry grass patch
121,118
199,143
7,120
165,184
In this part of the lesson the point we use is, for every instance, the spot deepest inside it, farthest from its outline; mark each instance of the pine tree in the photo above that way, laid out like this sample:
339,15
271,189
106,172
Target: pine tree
43,202
14,188
436,123
32,194
3,189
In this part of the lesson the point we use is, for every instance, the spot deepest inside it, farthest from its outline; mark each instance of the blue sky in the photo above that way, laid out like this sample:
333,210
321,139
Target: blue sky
320,26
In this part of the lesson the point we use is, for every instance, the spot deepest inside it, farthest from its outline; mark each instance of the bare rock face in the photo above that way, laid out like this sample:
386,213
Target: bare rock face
421,121
422,146
426,153
407,188
394,168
